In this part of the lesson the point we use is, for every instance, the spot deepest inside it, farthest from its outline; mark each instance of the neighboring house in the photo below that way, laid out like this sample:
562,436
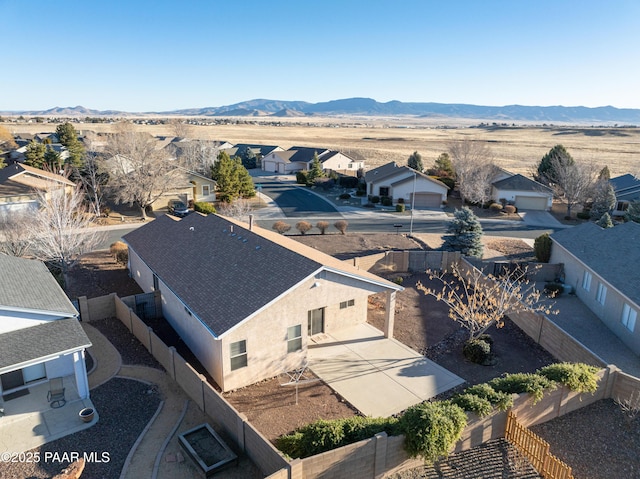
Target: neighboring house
247,301
259,152
300,158
602,266
398,182
627,189
522,192
19,185
190,186
204,188
40,336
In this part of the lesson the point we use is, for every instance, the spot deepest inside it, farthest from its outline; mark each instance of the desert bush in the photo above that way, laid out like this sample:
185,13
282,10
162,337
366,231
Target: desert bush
204,207
432,428
471,402
578,377
584,215
477,351
400,208
345,196
518,383
322,226
399,280
303,226
348,181
542,248
301,177
375,199
386,201
495,207
499,399
281,227
341,225
361,192
120,252
510,209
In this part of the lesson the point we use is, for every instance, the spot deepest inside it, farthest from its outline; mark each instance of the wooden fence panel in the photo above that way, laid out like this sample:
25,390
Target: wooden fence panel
536,450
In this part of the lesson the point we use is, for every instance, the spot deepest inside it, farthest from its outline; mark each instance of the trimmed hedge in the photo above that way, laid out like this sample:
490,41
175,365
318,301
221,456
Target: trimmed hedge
578,377
519,383
204,207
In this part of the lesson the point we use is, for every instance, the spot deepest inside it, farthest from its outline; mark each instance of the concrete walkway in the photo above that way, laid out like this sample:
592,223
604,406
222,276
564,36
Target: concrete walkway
378,376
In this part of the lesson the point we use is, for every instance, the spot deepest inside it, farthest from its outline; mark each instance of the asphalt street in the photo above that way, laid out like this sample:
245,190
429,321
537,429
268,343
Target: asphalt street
295,202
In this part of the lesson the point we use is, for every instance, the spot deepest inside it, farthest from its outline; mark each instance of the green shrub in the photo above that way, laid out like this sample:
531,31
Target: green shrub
510,209
450,182
345,196
495,207
578,377
400,208
321,436
518,383
375,200
290,444
499,399
399,280
386,201
357,428
361,192
432,428
542,248
584,215
471,402
204,207
477,351
301,177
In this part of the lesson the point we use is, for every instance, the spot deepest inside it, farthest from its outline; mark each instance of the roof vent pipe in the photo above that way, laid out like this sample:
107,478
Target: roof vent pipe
231,227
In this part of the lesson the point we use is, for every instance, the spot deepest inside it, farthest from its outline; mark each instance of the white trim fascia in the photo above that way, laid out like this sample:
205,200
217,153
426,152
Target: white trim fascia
397,287
56,314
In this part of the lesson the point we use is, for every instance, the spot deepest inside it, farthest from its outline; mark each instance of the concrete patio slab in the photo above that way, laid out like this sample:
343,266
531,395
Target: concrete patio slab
377,375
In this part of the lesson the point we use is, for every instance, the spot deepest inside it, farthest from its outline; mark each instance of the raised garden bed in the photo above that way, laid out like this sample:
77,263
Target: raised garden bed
207,449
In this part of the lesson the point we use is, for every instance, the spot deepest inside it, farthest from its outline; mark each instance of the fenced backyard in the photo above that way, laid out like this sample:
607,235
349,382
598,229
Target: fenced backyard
380,454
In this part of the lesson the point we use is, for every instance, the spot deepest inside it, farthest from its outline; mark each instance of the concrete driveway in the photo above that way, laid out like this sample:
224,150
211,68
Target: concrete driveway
540,218
378,376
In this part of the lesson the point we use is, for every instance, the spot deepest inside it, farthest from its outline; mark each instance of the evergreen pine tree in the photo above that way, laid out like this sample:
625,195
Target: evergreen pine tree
415,162
316,170
464,233
633,212
545,167
605,221
34,154
69,138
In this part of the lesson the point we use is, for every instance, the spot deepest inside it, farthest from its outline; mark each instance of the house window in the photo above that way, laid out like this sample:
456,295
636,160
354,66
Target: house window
347,304
629,316
238,354
294,338
622,206
586,281
601,295
205,190
156,286
384,191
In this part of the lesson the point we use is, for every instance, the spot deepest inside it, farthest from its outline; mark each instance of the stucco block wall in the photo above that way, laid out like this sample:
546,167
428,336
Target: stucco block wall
611,312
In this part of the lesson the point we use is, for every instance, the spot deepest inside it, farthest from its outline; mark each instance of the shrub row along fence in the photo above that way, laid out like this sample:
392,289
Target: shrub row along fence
536,449
194,384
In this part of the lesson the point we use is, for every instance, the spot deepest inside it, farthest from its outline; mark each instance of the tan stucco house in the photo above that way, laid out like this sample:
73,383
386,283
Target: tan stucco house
248,302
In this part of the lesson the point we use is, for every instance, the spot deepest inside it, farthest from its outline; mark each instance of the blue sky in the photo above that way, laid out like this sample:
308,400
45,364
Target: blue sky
136,55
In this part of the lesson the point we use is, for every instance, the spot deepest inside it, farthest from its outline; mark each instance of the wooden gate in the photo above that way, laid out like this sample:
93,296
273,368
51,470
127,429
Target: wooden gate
536,450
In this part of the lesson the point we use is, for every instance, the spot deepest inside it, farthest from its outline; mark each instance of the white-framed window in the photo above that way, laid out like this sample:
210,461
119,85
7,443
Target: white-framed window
238,354
601,294
347,304
586,281
294,338
629,316
205,190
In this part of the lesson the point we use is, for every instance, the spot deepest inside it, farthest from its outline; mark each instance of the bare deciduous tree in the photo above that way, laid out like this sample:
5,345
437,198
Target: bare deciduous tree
180,128
239,209
198,155
478,302
93,178
475,169
572,181
62,228
139,172
16,232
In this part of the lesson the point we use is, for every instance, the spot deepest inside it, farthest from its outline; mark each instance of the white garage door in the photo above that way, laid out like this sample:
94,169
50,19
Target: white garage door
531,203
271,166
428,200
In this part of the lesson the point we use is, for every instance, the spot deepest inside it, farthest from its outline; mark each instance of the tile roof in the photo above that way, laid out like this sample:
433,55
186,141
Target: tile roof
522,183
225,272
28,285
41,341
612,253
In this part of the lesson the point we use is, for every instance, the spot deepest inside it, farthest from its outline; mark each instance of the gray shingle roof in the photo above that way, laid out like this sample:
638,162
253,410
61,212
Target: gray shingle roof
613,253
28,285
381,172
224,273
626,187
522,183
41,341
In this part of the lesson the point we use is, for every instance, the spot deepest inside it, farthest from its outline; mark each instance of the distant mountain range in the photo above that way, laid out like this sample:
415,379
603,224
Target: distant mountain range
370,107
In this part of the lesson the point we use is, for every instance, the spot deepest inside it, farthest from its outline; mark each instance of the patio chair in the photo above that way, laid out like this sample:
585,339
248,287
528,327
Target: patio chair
55,396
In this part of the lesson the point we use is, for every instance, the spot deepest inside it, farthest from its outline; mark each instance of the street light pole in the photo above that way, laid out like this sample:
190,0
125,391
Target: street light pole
413,203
